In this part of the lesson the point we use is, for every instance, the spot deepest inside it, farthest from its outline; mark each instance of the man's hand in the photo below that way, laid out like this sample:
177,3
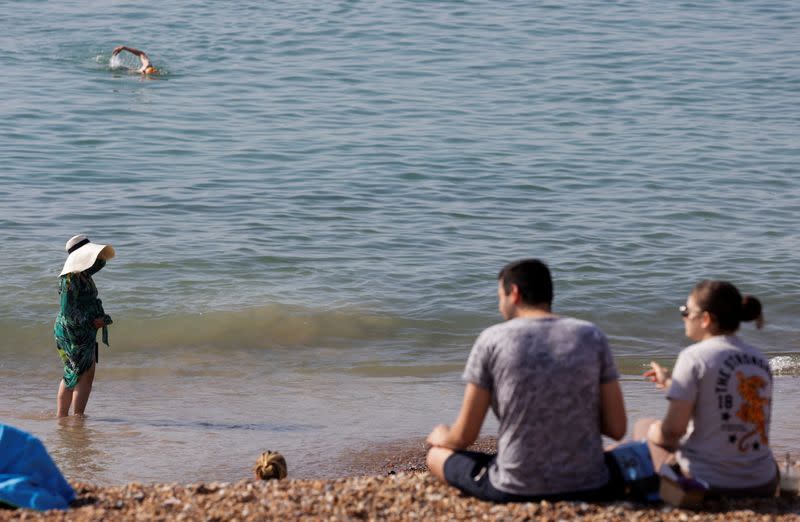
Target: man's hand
439,436
99,322
659,375
118,49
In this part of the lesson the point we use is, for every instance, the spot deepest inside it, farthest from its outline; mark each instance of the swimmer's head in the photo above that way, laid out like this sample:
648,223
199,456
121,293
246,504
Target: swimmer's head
149,70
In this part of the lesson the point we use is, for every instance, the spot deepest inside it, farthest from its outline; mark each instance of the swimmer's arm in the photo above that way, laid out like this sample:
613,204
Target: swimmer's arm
145,62
141,54
118,49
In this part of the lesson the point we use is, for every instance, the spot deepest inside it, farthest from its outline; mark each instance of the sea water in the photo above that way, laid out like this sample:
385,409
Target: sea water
311,203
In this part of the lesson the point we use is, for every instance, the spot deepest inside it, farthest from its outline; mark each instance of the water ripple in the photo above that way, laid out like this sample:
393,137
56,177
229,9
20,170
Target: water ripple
395,155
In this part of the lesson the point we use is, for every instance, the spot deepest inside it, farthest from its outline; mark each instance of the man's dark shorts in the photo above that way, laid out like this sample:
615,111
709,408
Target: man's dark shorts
469,472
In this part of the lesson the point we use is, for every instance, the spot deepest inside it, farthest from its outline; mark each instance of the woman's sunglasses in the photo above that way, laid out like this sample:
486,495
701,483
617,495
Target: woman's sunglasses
684,310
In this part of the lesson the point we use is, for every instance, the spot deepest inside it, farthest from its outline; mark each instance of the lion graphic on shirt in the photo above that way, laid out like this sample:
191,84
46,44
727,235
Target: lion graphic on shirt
753,407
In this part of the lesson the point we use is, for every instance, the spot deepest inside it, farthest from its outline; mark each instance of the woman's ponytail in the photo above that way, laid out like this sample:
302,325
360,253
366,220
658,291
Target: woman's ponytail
751,310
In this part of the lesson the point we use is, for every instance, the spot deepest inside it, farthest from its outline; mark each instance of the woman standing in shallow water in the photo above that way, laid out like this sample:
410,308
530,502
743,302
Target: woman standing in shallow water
77,323
724,386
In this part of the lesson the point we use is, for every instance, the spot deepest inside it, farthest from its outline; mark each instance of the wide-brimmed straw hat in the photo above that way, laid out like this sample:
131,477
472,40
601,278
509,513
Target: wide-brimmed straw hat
83,253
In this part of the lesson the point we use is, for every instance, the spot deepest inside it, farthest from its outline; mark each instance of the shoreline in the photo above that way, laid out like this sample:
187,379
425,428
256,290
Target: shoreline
390,483
320,438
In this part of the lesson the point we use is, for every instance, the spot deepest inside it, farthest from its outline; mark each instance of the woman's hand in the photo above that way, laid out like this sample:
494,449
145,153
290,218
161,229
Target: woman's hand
659,375
99,322
118,49
439,436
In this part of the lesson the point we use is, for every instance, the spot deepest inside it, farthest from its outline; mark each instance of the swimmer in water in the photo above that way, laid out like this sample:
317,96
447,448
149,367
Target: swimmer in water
146,68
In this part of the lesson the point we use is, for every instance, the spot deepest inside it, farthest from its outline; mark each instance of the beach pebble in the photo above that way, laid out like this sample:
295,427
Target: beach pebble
406,496
171,502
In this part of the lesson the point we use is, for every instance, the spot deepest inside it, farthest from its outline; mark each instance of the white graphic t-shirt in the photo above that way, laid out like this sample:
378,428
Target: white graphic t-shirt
730,383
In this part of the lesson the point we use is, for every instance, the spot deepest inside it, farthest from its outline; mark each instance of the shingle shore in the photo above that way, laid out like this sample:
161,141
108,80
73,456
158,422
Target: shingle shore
396,487
403,496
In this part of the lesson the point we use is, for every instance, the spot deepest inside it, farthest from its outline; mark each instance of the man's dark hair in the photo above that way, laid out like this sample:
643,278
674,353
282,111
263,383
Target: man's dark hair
532,277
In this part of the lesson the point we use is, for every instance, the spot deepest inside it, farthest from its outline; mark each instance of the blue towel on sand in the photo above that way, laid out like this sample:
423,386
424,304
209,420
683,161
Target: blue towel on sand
28,476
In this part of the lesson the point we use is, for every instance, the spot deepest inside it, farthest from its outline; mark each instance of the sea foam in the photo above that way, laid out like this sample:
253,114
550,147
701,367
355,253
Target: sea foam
785,365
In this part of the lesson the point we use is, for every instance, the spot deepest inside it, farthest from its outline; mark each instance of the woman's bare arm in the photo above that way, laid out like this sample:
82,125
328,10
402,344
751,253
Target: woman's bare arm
668,433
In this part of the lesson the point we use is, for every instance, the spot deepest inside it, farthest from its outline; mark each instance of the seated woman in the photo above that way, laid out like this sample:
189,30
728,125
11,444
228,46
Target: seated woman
724,386
146,68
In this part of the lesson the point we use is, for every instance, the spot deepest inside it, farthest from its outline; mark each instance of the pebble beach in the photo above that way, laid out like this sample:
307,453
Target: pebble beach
392,484
403,496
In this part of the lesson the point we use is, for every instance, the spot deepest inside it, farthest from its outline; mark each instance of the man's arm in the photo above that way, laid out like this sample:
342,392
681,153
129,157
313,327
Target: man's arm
468,424
668,433
613,420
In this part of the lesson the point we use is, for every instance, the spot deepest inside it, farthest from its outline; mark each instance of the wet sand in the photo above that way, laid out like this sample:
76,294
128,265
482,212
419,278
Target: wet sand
390,483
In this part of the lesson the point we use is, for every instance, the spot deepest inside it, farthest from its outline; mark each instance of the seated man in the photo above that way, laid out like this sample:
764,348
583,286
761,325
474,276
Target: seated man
552,383
146,68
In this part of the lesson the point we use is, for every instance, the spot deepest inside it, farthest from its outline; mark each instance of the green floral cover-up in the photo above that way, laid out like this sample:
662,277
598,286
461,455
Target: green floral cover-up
75,331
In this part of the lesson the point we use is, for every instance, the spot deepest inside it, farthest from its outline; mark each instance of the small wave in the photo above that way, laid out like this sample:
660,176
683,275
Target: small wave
266,327
208,425
785,365
123,61
115,62
636,365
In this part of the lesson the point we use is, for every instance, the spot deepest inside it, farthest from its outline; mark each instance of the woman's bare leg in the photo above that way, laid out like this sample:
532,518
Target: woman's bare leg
658,454
82,390
63,400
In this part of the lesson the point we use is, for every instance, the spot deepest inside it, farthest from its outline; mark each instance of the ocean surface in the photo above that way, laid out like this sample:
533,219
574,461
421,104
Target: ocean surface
311,201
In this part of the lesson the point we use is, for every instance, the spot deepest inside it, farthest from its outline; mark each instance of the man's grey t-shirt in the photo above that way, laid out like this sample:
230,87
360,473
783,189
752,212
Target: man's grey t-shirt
730,384
544,376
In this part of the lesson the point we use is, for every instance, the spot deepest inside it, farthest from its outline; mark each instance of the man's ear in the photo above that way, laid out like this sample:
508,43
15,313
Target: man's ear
514,294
